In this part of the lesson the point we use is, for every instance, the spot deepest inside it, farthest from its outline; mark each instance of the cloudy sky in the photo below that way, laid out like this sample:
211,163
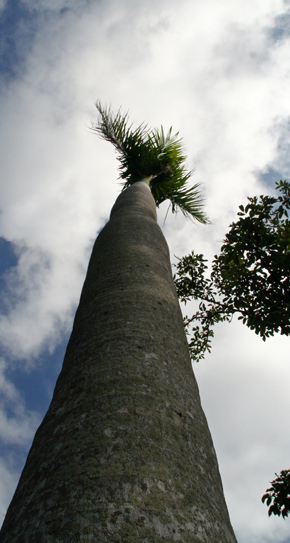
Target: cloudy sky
219,72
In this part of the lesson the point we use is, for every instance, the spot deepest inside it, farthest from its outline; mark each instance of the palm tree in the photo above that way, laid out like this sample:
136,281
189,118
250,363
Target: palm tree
124,453
154,158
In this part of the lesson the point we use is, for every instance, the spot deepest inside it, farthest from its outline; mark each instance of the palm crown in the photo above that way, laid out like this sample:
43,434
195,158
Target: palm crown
150,154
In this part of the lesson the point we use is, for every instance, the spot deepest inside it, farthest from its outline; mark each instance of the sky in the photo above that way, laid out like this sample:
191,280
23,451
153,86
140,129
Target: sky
218,71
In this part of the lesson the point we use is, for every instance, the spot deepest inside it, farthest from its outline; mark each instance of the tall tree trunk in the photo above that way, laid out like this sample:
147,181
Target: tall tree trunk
124,453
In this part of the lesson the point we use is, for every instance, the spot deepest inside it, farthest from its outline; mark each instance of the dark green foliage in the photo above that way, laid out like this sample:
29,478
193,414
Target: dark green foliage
250,276
191,283
279,495
152,155
253,268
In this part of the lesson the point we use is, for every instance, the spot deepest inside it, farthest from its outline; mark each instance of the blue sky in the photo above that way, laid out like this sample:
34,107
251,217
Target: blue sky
218,71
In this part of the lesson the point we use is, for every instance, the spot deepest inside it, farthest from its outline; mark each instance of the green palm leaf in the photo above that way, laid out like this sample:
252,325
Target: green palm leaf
152,155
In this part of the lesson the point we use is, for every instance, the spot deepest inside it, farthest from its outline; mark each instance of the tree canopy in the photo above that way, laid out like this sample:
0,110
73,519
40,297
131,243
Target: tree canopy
250,276
153,155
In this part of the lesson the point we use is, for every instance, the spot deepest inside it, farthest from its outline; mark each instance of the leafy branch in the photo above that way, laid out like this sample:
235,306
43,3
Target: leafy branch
279,495
250,276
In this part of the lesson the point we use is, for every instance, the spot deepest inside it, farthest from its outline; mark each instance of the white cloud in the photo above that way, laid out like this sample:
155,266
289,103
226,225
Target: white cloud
9,479
244,392
17,427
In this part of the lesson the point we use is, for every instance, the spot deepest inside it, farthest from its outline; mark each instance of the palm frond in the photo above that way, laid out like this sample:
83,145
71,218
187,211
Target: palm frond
144,153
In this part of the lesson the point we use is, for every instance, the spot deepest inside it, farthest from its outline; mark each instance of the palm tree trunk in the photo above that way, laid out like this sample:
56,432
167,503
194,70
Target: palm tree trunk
124,453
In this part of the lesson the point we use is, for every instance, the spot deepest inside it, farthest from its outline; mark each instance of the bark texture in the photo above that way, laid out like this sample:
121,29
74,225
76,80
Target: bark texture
124,453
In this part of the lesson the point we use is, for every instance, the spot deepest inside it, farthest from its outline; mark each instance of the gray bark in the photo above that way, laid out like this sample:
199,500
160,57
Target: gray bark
124,453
